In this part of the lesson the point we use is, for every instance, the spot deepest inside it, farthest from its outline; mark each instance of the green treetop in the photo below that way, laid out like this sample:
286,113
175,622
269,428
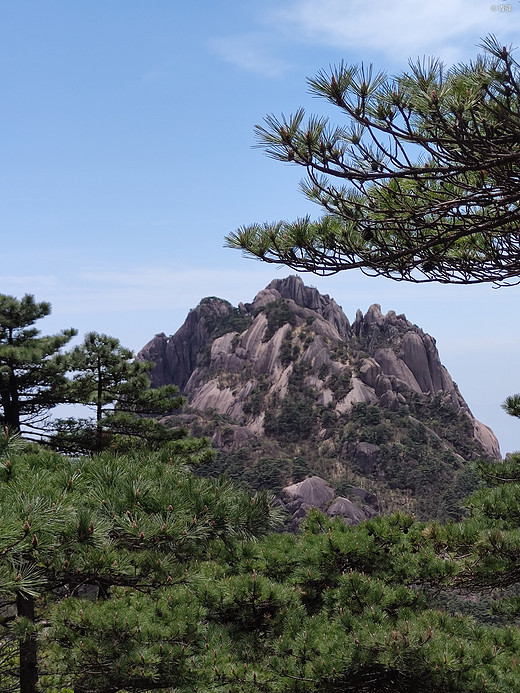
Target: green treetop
32,371
124,573
419,181
116,387
99,559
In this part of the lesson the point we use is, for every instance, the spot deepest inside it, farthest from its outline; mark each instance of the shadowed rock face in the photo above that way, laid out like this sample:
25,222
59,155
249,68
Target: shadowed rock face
245,362
175,357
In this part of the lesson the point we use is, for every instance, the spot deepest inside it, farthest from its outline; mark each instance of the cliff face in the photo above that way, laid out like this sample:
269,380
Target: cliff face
175,358
409,360
289,369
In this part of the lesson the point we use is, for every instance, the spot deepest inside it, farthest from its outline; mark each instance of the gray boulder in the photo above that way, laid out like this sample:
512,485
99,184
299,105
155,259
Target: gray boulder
313,491
346,509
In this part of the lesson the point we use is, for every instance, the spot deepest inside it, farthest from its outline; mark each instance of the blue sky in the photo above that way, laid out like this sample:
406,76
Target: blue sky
127,156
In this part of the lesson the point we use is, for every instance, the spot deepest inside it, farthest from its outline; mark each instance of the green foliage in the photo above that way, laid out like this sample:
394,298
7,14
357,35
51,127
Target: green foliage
32,371
148,641
296,421
115,386
366,414
452,503
278,314
139,582
339,352
413,457
367,424
418,183
356,618
130,532
340,384
289,352
297,418
512,405
323,371
256,469
256,401
414,467
442,418
232,322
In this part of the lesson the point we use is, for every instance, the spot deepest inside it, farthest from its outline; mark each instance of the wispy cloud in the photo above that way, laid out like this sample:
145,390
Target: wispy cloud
155,286
134,289
398,30
252,52
376,30
21,284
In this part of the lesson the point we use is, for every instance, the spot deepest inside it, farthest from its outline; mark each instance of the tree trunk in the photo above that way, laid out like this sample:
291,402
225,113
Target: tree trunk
28,659
99,408
10,403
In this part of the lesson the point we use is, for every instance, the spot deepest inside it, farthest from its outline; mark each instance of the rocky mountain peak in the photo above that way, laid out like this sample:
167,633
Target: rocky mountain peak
289,371
175,357
293,289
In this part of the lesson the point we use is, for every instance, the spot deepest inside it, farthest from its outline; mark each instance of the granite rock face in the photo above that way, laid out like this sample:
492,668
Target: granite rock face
288,389
236,361
175,357
294,289
406,355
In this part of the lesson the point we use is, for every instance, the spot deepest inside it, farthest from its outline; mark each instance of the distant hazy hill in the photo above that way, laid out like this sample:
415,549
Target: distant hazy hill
286,387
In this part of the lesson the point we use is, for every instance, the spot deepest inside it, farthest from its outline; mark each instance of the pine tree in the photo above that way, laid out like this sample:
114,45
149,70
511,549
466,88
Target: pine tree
116,387
100,558
419,182
126,574
419,185
489,540
32,371
342,608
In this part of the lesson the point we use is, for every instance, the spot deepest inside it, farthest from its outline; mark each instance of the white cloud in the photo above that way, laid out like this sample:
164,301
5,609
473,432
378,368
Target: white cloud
251,52
398,30
374,31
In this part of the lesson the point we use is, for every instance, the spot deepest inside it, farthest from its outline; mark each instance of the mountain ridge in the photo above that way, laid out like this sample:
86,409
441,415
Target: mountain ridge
289,369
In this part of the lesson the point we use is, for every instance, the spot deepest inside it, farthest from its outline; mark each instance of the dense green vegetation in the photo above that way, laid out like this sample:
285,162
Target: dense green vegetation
233,322
414,467
296,417
278,313
128,573
100,560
